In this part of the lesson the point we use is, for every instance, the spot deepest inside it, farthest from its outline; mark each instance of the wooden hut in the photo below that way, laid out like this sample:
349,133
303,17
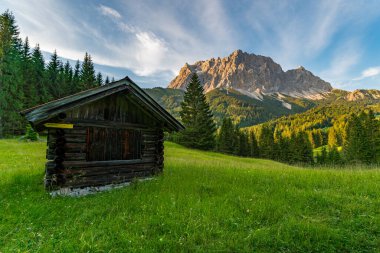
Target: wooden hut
106,135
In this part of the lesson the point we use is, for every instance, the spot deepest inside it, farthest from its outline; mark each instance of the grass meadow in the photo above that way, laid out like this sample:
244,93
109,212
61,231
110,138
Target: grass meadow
203,201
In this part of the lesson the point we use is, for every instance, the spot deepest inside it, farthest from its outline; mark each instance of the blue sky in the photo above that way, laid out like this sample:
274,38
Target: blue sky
151,40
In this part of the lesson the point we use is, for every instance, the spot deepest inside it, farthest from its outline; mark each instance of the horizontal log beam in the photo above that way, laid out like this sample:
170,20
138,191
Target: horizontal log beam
108,124
68,164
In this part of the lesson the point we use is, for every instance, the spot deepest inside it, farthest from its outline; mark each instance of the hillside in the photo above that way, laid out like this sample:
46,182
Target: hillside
324,115
203,202
243,109
247,111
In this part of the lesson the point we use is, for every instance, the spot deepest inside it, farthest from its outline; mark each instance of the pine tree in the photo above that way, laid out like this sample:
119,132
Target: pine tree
282,147
306,148
52,76
334,156
11,88
67,79
226,138
99,79
318,137
87,73
311,136
30,90
107,81
332,138
322,158
300,148
353,140
368,124
361,138
254,148
37,76
266,143
75,83
244,148
197,118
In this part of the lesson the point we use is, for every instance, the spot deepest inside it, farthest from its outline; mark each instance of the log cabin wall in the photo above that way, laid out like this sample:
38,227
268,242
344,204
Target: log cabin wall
113,140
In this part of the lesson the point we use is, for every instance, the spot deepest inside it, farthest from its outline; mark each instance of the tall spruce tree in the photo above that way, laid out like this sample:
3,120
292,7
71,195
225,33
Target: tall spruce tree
332,138
37,76
75,83
322,157
52,78
353,140
282,147
107,81
226,138
87,73
244,148
197,118
67,78
99,79
254,147
301,150
30,91
334,156
11,88
266,142
368,125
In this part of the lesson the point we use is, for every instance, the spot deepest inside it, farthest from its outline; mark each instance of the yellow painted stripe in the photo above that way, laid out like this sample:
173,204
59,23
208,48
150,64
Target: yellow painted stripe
58,125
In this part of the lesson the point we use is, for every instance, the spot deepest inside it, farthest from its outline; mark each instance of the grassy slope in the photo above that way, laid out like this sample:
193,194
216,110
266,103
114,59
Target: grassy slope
203,201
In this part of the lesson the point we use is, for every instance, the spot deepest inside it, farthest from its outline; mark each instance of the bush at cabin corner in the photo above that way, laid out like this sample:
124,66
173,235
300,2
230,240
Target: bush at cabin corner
30,134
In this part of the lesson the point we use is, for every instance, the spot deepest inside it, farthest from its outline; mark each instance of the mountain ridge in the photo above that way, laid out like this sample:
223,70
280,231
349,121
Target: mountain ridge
252,89
254,75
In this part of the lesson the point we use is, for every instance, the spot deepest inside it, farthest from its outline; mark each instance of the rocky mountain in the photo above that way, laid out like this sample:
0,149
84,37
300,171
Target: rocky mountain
253,89
254,76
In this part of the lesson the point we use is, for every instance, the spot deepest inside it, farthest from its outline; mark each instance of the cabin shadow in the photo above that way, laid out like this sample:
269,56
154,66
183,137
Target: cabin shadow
106,135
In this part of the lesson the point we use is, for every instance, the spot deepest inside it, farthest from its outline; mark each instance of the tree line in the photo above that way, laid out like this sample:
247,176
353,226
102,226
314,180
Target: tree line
26,80
357,133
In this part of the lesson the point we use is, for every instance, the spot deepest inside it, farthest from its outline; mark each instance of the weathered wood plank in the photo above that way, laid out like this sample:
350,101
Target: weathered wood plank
102,163
111,179
93,171
108,124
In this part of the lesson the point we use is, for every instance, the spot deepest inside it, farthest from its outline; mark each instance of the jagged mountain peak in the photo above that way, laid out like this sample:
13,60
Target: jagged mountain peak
254,74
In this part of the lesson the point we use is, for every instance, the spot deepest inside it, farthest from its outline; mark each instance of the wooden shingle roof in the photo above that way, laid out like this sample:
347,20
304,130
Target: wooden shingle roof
44,112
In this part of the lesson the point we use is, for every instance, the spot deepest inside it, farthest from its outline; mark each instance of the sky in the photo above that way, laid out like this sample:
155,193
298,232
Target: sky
150,41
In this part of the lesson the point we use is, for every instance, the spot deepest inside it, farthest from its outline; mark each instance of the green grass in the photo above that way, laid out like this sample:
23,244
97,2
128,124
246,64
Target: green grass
202,202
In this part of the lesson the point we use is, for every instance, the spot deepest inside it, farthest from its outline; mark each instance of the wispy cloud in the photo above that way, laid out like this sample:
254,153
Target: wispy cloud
369,72
155,39
108,11
293,34
297,33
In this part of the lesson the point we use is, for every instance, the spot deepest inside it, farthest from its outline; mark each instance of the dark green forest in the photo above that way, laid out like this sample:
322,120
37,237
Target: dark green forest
26,80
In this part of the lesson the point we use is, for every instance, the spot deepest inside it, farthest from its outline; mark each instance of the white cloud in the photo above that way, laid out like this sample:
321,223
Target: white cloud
373,71
150,54
108,11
